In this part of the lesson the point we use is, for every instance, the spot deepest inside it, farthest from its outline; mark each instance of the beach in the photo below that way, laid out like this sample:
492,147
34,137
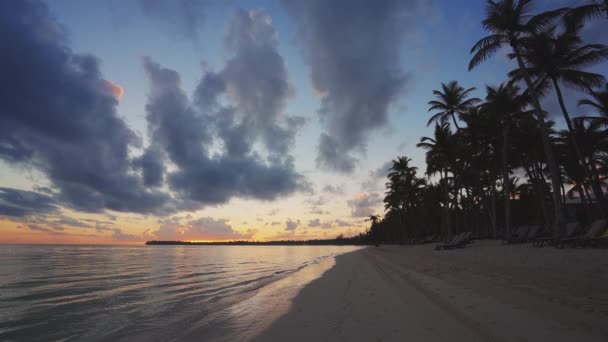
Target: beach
485,292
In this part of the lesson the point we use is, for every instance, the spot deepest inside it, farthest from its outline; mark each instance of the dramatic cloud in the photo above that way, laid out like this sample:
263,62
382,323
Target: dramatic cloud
205,228
364,204
255,81
291,225
57,117
352,47
20,203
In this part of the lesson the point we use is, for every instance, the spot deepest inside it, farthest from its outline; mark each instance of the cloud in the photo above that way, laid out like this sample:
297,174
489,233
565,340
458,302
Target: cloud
375,176
113,89
44,229
232,109
118,235
56,118
364,204
318,211
291,225
342,223
205,228
256,80
352,48
21,203
314,223
334,189
317,223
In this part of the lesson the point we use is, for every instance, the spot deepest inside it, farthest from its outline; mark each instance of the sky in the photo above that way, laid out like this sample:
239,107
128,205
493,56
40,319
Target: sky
134,120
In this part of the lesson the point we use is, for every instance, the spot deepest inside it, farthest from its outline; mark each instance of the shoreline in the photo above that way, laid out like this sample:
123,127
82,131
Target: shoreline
485,292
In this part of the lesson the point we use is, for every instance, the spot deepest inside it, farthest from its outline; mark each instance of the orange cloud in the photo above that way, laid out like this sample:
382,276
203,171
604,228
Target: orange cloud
113,89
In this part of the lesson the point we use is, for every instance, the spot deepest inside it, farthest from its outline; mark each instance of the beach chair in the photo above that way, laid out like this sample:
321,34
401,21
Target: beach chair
572,229
595,231
459,242
519,235
600,241
455,239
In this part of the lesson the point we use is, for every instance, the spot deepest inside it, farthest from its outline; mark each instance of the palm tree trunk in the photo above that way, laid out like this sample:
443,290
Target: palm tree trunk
558,223
597,190
493,212
588,213
506,184
455,123
540,193
448,225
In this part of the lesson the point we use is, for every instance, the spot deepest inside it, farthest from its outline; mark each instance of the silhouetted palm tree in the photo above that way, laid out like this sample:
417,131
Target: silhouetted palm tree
591,10
508,21
439,157
452,99
559,58
373,218
598,101
506,103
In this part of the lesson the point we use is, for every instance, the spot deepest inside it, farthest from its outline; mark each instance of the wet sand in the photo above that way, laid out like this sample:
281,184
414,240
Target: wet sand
485,292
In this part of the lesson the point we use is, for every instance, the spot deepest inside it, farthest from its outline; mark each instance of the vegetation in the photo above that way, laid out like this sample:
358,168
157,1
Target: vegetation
503,151
340,240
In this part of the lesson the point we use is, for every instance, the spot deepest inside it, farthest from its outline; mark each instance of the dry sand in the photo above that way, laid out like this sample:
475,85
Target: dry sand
485,292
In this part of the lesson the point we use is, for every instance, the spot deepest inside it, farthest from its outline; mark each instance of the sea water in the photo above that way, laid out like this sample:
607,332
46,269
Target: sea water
150,293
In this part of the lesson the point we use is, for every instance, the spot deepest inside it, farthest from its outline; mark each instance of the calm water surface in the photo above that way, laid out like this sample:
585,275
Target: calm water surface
152,293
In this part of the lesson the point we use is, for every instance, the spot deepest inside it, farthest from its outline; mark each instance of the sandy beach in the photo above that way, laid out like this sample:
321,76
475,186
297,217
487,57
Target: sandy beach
485,292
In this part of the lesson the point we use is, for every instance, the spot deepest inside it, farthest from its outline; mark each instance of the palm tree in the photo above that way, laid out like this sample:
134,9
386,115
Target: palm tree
451,100
439,157
509,21
374,230
506,103
598,101
592,10
559,58
401,167
403,190
373,218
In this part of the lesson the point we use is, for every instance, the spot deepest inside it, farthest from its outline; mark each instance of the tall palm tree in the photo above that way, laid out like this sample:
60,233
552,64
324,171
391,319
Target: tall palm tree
506,103
591,10
452,99
598,101
403,189
439,157
508,21
560,58
401,167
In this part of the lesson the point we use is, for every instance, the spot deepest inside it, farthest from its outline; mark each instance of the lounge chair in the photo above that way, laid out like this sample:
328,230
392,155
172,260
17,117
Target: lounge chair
600,241
572,229
533,232
521,234
450,242
459,241
595,231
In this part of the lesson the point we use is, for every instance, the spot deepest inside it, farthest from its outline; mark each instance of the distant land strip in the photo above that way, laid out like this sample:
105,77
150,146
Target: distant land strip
340,241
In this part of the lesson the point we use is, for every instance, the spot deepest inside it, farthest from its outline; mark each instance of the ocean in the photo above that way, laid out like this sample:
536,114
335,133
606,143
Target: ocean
150,293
